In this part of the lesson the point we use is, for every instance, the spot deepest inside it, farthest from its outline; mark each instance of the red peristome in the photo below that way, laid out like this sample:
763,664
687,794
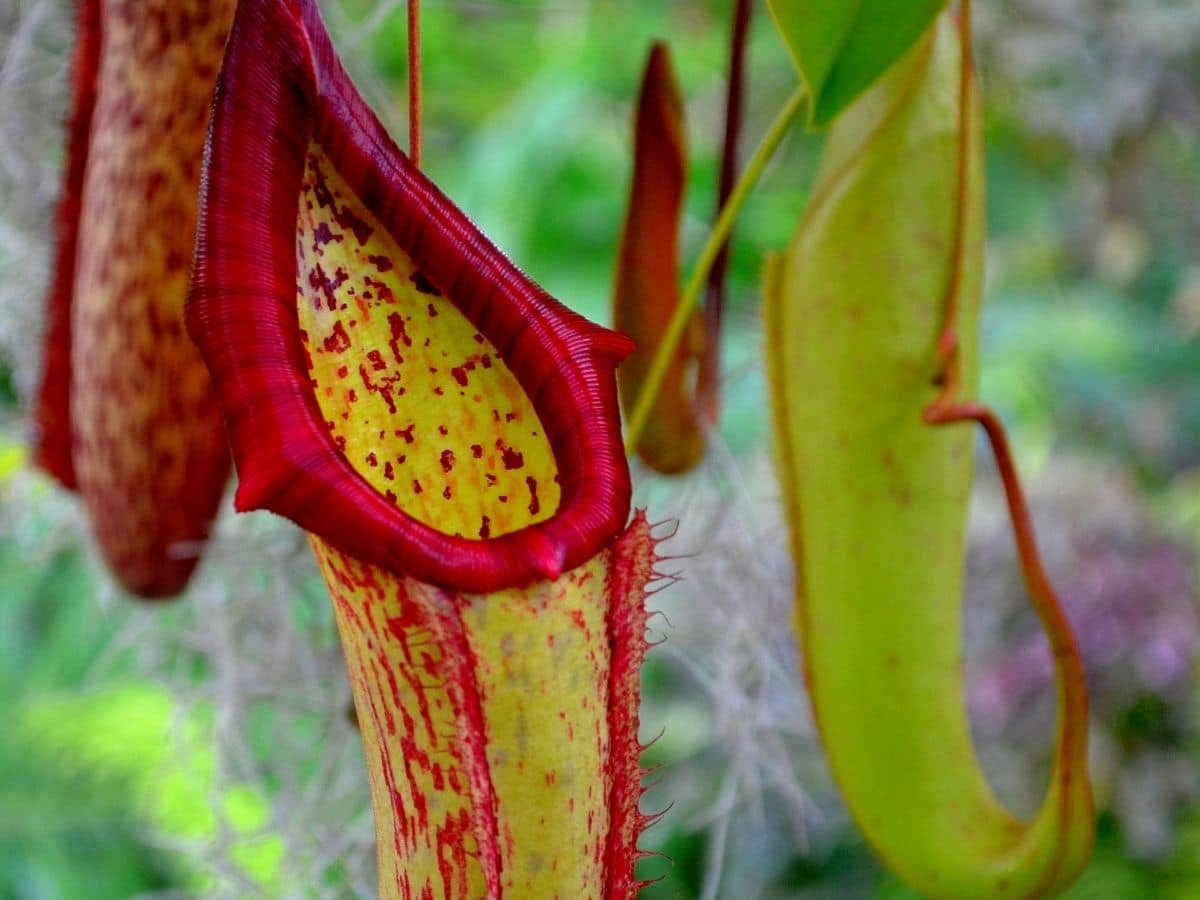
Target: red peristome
52,410
281,88
634,558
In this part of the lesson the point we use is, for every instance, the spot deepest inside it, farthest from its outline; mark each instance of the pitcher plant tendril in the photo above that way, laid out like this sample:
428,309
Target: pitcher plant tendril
1070,776
449,436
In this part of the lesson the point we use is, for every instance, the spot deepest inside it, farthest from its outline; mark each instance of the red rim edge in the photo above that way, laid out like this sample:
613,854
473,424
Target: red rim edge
281,86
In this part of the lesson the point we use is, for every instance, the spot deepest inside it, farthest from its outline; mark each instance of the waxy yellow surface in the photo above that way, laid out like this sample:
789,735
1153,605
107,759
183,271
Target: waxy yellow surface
878,499
417,400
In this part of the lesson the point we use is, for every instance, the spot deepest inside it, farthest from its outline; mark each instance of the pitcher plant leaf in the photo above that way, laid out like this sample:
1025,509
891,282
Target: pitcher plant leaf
840,47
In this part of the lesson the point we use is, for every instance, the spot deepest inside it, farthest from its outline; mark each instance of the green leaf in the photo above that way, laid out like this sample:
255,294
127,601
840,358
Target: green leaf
133,735
841,47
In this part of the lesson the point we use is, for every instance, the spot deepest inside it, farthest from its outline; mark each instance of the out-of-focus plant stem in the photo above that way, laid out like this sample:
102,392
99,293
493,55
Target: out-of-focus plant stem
708,255
708,379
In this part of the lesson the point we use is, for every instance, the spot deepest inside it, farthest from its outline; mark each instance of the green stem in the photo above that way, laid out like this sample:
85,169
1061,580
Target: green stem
691,292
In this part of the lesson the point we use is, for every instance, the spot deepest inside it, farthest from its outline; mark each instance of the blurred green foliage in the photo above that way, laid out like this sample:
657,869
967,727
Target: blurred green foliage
67,828
93,758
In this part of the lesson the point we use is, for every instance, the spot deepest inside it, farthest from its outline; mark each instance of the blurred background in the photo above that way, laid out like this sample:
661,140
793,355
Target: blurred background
202,748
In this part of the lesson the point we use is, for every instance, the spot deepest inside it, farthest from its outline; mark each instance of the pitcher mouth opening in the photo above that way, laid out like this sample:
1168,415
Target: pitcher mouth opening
376,356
